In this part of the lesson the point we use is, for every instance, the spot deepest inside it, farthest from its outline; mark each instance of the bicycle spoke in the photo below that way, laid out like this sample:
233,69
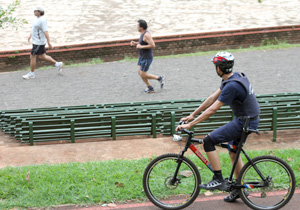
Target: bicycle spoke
277,188
160,189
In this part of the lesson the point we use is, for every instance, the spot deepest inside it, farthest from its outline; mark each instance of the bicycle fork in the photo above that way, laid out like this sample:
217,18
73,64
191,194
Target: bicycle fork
179,161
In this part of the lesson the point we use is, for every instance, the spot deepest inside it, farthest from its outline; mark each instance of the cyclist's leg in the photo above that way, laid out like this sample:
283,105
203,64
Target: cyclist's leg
217,182
231,130
232,153
235,142
238,166
212,155
234,194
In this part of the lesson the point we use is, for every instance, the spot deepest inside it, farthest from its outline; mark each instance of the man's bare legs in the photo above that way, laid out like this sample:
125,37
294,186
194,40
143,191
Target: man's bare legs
238,166
31,74
32,62
234,193
47,58
43,57
146,76
214,159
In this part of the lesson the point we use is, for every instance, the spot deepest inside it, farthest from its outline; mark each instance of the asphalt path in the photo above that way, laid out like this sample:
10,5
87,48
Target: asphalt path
269,71
207,203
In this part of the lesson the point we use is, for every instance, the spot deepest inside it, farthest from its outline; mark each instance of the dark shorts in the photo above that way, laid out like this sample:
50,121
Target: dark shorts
231,132
38,50
145,63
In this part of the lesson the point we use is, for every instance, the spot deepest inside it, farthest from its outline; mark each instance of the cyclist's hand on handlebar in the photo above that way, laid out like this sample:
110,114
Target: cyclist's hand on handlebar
188,118
184,126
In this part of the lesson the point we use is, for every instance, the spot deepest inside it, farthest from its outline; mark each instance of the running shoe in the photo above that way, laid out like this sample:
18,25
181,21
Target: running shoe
59,67
162,81
30,75
148,90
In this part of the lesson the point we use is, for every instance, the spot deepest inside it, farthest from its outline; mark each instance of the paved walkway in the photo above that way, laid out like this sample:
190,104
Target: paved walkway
207,203
86,21
271,71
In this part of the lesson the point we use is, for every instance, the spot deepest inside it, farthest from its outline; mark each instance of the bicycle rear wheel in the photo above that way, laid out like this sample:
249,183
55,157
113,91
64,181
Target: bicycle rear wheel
280,185
159,189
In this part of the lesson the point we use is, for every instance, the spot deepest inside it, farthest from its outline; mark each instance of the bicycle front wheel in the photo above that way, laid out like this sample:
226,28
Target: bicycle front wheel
164,193
278,188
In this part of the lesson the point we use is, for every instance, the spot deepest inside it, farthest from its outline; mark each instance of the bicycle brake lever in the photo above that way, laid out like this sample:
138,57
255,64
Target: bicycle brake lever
181,122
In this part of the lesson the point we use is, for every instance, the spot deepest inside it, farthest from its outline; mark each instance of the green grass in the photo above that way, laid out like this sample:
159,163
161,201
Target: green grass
95,182
265,45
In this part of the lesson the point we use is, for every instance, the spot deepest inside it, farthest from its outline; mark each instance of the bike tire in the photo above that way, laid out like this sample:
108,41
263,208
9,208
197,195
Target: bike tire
280,188
156,182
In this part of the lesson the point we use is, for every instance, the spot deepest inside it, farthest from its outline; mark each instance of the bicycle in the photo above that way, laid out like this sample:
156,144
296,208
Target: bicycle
171,181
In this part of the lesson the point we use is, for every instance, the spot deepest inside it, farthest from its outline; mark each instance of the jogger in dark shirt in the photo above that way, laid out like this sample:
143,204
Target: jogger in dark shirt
145,47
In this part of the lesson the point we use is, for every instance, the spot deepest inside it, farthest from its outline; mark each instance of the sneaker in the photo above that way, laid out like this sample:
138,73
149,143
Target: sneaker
148,90
234,195
59,67
30,75
162,81
215,184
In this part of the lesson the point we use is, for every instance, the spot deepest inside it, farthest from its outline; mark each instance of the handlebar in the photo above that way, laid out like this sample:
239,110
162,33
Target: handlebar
185,130
179,137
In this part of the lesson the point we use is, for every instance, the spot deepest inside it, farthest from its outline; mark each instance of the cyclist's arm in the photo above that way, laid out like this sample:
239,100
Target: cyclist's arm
207,103
207,113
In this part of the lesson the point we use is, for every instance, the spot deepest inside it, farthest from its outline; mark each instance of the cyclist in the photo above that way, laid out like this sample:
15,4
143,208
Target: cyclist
235,91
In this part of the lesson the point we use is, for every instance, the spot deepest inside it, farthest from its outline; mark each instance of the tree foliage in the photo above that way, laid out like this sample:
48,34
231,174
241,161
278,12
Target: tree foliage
7,19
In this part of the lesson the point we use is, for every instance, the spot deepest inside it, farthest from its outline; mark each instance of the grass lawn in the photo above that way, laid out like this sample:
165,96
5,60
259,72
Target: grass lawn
265,45
96,182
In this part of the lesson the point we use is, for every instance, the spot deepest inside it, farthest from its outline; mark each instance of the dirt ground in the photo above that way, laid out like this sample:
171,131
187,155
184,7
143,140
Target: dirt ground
13,153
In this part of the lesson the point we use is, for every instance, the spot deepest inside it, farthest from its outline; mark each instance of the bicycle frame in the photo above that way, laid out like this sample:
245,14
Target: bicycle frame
238,149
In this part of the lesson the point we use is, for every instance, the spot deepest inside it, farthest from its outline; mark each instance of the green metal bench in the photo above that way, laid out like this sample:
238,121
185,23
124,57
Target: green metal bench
278,111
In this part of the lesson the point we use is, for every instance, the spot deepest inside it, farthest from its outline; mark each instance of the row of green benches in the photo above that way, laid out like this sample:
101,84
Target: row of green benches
279,111
10,120
268,98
